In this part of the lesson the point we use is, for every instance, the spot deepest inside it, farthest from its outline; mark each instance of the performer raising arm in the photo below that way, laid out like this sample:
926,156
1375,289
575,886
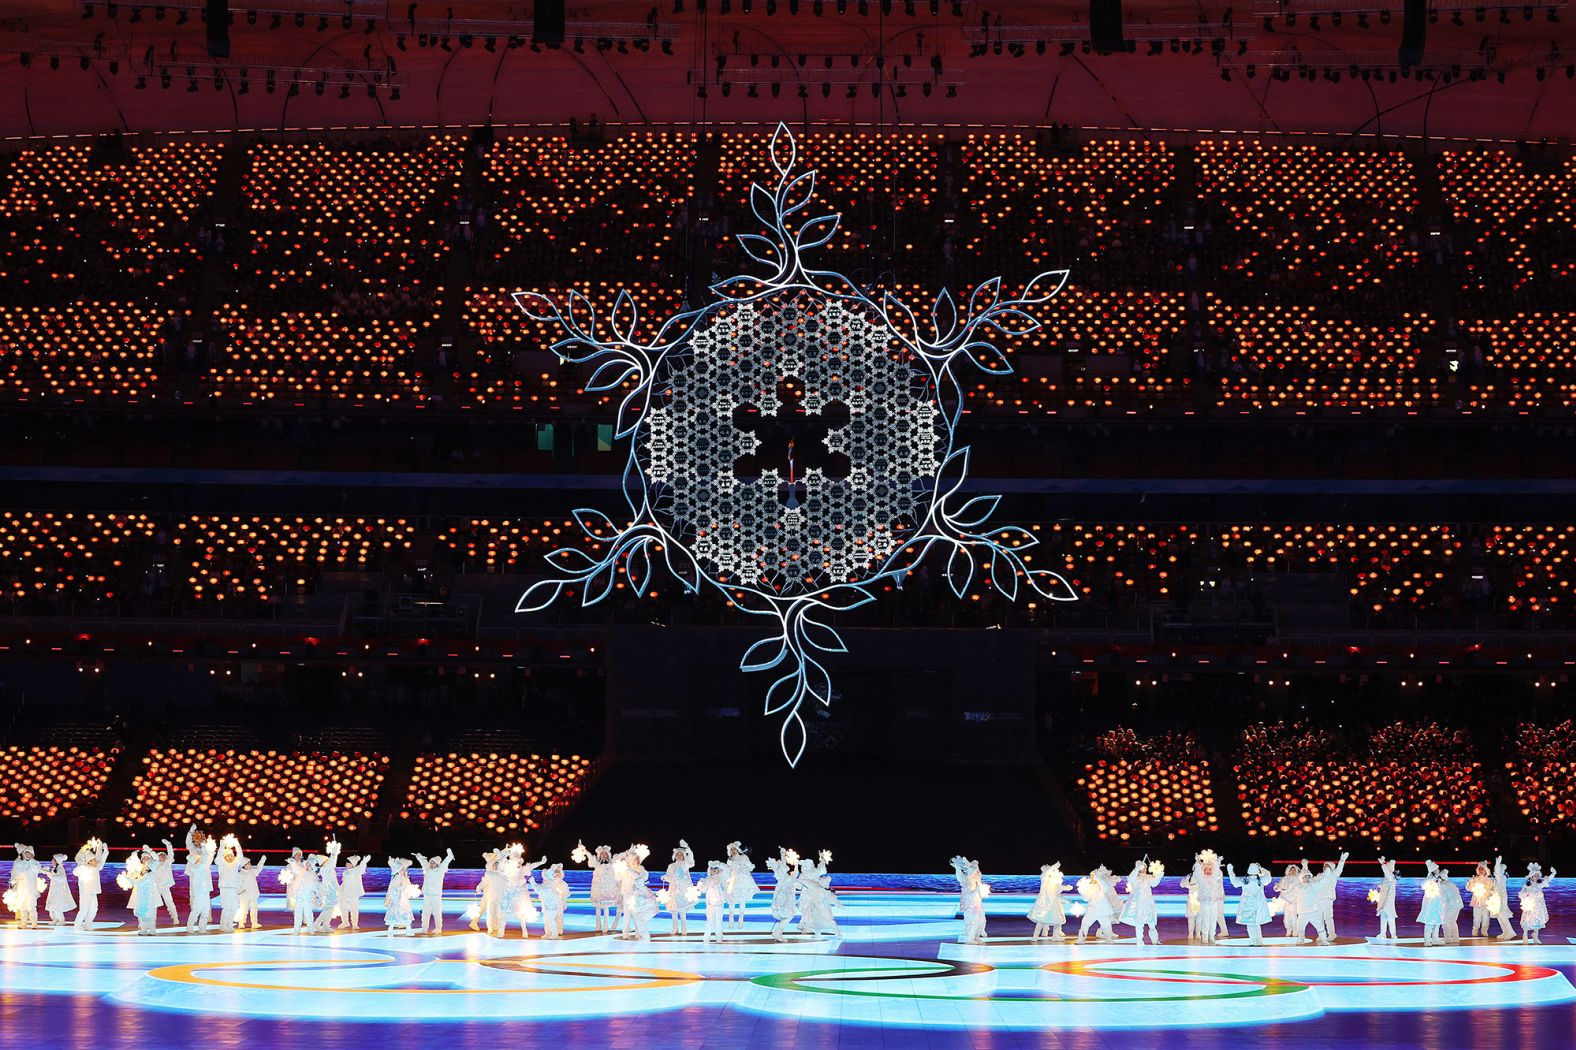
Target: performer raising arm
91,859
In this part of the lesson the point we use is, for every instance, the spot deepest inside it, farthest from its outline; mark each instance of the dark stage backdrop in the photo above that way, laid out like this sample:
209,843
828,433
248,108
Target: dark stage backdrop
962,696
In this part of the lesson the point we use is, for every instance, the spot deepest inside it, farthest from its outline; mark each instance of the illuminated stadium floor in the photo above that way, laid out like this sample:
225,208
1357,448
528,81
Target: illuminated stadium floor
895,978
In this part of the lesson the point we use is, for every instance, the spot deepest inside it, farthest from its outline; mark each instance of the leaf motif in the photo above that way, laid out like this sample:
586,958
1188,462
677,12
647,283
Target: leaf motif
956,464
765,654
625,316
1026,539
537,306
595,524
761,249
846,596
792,738
1004,568
817,683
975,511
987,358
784,150
637,566
582,315
570,560
764,205
960,570
1029,322
783,694
989,290
610,375
944,315
630,412
539,596
1053,585
790,205
1044,286
817,231
821,636
600,583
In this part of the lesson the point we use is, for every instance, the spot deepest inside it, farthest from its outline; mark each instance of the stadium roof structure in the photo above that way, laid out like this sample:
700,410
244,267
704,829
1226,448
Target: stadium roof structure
79,67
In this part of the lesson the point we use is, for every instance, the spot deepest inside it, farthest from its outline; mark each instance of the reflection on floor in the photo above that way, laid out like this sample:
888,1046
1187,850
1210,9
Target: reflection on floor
894,976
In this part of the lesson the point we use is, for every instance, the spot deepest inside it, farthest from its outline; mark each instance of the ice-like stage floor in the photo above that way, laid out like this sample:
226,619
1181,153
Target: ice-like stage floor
894,977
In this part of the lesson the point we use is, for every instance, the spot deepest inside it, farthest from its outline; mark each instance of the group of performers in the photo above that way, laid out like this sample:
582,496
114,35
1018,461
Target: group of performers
1304,899
622,900
318,892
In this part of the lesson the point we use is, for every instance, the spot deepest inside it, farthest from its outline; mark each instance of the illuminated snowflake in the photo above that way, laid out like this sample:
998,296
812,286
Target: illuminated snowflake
802,353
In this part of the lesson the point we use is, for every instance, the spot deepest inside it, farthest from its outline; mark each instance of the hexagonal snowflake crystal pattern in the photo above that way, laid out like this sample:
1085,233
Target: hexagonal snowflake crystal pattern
872,386
833,530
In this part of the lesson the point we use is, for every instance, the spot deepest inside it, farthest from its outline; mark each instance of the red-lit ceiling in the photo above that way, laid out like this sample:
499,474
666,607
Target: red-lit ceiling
465,86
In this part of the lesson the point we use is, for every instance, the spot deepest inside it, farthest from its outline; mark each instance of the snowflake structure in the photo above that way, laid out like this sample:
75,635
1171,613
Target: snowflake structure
715,402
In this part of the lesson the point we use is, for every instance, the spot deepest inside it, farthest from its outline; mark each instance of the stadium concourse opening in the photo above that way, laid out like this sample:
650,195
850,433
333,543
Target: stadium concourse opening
729,524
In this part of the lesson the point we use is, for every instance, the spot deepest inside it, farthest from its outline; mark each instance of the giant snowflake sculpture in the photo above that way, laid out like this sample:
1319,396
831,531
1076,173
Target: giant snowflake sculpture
707,399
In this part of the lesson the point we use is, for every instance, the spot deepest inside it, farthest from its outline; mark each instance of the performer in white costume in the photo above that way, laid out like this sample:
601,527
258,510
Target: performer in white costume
1211,895
91,859
1047,912
1104,904
681,888
553,892
1188,883
742,886
1383,897
1501,913
396,901
817,902
25,887
1453,905
230,860
144,900
604,884
164,880
714,887
251,893
58,899
1534,909
785,895
971,899
1140,912
433,872
304,883
1480,887
490,888
1253,908
1432,913
1327,886
200,850
640,904
1288,890
352,888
